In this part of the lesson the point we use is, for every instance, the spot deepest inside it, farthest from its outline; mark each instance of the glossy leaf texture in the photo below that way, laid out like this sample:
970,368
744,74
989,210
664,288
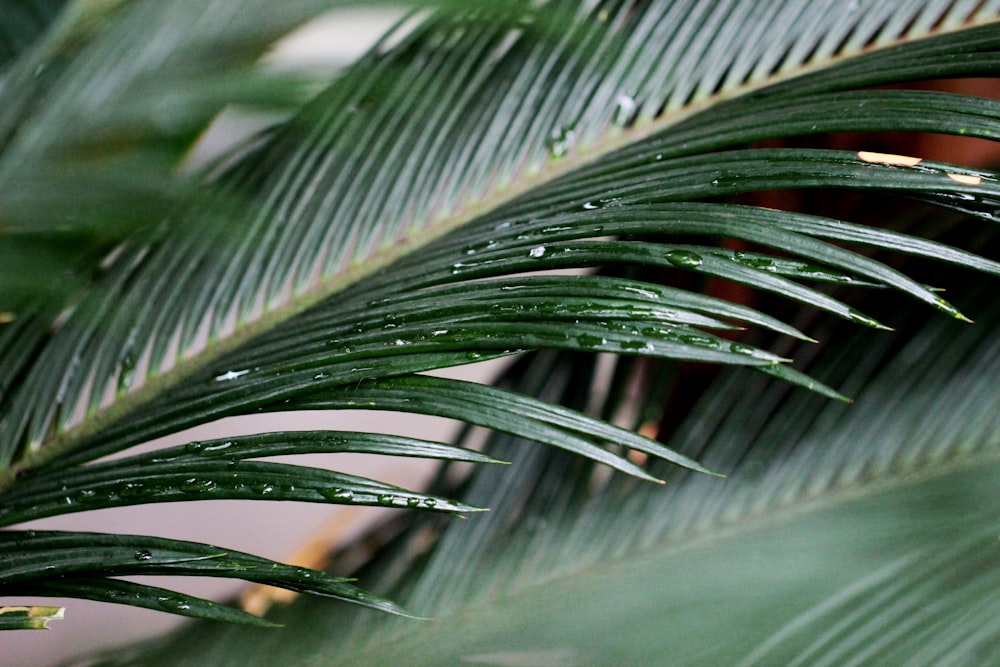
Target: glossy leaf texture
404,219
842,535
83,565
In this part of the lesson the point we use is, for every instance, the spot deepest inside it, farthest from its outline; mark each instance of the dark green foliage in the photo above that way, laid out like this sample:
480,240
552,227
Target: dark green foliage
396,222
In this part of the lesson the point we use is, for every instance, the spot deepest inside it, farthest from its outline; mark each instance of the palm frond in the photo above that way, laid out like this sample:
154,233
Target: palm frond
385,228
842,534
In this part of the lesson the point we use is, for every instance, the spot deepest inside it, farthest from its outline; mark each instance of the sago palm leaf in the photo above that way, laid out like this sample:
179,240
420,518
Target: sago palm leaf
396,222
843,535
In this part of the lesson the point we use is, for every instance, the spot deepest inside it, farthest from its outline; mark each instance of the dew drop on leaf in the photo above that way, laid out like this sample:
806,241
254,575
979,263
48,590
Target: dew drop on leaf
684,258
337,494
591,341
171,603
697,339
561,141
625,110
195,485
231,375
87,495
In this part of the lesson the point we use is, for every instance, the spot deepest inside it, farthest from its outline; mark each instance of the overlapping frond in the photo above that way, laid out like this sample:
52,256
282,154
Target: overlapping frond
842,534
385,228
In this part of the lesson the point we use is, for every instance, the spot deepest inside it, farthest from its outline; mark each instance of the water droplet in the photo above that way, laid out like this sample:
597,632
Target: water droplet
130,489
625,110
262,488
86,496
143,555
209,448
173,603
684,259
126,369
473,355
439,332
386,499
591,341
698,339
195,485
399,342
412,502
739,348
337,494
561,141
590,206
636,345
231,375
319,376
538,251
430,502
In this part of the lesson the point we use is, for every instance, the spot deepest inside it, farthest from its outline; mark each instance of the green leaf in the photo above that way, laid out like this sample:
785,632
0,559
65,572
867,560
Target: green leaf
842,535
77,558
117,591
125,482
503,411
29,618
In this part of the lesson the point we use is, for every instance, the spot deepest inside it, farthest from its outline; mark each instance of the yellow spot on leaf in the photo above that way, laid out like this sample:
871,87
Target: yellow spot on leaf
7,317
965,179
890,159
